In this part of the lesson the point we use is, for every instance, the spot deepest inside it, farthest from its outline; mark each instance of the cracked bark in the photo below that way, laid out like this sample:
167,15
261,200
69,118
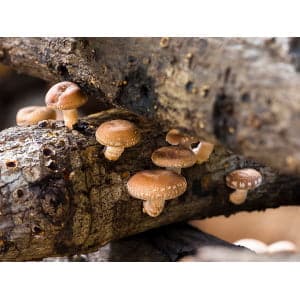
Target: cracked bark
59,196
241,92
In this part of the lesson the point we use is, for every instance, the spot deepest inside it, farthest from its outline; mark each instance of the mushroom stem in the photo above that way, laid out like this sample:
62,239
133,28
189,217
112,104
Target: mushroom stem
238,196
113,153
203,151
175,170
153,207
70,117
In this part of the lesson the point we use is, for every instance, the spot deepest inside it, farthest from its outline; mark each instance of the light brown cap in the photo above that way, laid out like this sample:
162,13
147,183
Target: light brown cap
173,156
176,137
31,115
156,185
64,96
244,179
118,133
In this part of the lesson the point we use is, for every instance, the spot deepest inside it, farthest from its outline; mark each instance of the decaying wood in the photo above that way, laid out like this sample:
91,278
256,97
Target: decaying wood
60,196
165,244
242,92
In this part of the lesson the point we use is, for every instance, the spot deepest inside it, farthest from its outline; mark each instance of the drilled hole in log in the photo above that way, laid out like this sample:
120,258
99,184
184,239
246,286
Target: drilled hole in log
52,165
245,97
132,59
189,86
20,193
63,71
11,164
43,124
36,229
47,152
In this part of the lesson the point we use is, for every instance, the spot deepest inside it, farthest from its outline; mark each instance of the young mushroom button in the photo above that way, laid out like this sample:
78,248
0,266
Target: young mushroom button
31,115
174,158
116,135
242,181
155,187
176,137
67,97
203,151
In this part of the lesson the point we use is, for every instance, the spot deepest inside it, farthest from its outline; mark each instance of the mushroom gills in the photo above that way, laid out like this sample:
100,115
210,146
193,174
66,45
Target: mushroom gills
174,169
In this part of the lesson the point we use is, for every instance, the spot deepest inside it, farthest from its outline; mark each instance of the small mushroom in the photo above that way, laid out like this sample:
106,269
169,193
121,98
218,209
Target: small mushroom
174,158
257,246
176,137
67,97
31,115
155,187
116,135
203,151
283,247
242,181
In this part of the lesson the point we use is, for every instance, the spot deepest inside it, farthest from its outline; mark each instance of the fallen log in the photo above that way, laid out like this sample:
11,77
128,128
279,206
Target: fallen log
241,92
60,196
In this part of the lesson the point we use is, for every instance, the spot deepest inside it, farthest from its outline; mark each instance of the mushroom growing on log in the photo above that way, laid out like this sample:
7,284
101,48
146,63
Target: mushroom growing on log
155,187
173,158
60,196
31,115
67,97
204,85
65,198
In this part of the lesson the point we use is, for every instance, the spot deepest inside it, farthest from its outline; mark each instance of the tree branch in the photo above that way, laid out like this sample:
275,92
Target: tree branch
242,92
60,196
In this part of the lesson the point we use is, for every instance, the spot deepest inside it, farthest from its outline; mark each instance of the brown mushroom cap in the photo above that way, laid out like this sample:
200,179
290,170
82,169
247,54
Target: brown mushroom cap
65,96
244,179
156,185
118,133
176,137
173,156
31,115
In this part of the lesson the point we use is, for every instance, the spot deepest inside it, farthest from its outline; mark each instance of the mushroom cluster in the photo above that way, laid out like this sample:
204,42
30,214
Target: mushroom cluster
154,187
64,96
202,151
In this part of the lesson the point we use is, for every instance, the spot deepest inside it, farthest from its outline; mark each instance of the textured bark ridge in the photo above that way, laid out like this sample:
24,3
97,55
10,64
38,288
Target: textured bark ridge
241,92
60,196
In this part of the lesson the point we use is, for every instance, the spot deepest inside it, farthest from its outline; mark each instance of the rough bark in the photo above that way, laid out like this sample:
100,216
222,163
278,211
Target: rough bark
59,196
165,244
241,92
